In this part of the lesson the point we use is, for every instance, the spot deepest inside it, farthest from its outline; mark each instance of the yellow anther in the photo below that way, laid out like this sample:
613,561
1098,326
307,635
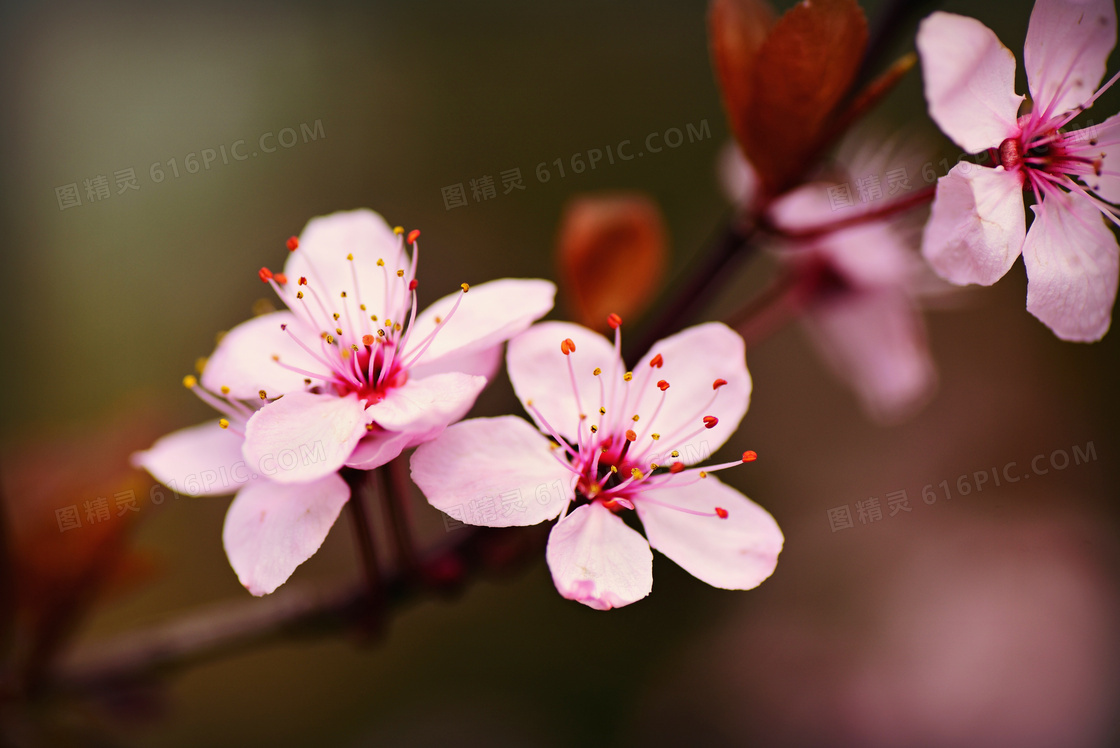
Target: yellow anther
263,395
597,371
398,230
528,403
655,437
634,418
380,333
653,466
602,411
583,416
637,474
200,364
388,322
614,468
338,331
674,453
354,348
190,381
345,353
342,295
323,335
439,319
397,327
628,376
275,357
369,427
380,262
400,273
703,474
465,287
225,390
350,257
336,315
223,423
594,428
362,307
330,339
299,294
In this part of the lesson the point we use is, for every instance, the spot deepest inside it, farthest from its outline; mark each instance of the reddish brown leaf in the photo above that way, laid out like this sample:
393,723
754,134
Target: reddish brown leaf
611,255
737,30
804,68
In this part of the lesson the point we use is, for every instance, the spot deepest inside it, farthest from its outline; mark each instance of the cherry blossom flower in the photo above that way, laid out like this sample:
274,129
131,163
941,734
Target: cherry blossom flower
612,442
978,223
860,287
350,375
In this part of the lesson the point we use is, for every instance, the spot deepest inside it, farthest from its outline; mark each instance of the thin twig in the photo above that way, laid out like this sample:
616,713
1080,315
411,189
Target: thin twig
356,479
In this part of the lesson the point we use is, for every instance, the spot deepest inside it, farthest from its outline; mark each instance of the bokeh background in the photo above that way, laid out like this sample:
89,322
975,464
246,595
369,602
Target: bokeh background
987,619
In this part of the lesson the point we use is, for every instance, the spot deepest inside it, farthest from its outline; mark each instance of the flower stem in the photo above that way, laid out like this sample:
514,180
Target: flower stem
912,200
400,516
356,479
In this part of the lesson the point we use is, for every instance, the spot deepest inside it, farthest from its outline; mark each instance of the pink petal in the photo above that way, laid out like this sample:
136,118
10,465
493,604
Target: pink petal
421,405
1072,266
969,81
379,446
1108,135
976,226
872,255
272,528
302,436
1067,48
538,371
243,360
489,314
692,361
496,472
202,460
597,560
321,258
735,553
876,343
484,363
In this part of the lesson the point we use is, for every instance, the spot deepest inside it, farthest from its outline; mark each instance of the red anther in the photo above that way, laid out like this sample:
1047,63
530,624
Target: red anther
367,339
750,456
721,512
710,422
718,383
302,281
676,467
413,235
412,284
567,346
280,278
656,361
631,436
293,243
662,385
614,321
265,275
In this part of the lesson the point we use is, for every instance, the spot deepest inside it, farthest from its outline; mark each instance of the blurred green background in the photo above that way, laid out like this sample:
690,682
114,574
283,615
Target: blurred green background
989,619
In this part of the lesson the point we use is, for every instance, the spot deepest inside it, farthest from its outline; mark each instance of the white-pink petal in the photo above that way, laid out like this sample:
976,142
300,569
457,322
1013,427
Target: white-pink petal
735,553
1066,51
303,436
378,447
977,224
271,528
1072,265
496,472
323,248
693,360
874,340
597,560
969,81
244,359
539,373
202,460
424,404
488,315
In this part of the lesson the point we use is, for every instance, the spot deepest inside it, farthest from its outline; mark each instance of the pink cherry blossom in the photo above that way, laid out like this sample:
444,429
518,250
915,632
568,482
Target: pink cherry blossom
350,375
860,287
977,227
608,442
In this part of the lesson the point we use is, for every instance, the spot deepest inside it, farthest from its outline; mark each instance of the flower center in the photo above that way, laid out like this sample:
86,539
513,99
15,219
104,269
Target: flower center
616,457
